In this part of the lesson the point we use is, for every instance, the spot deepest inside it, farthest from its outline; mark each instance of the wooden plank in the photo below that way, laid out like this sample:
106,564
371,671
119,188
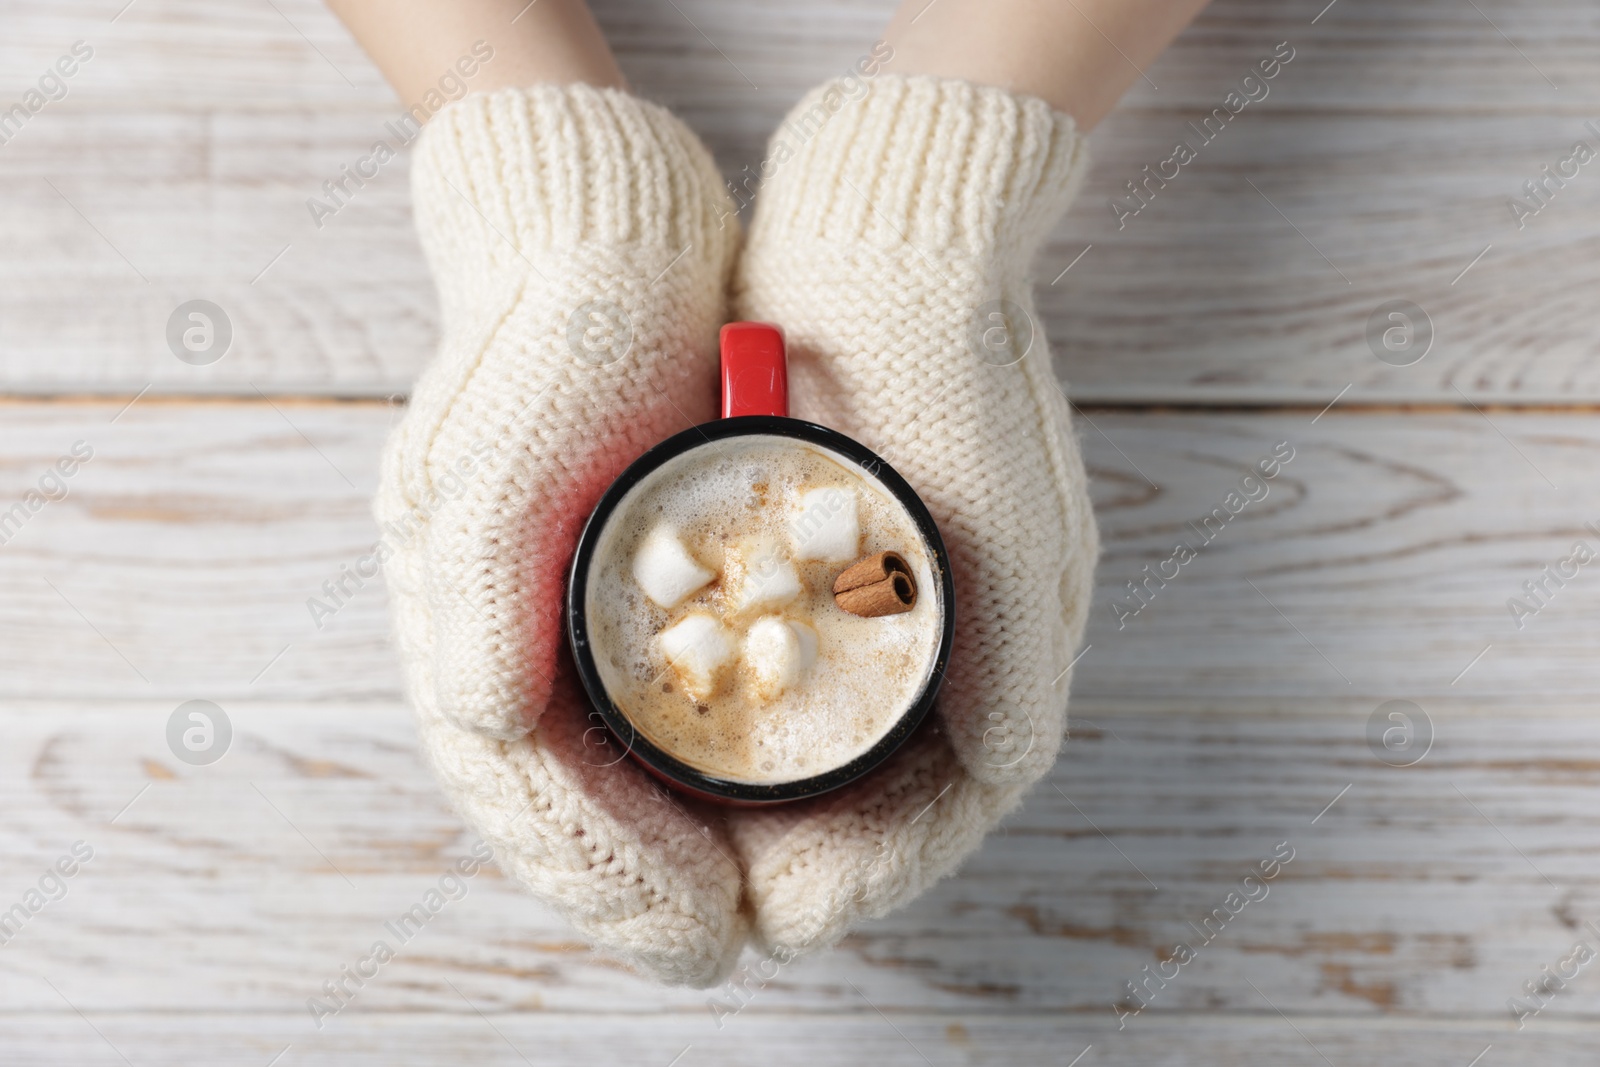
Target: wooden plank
193,139
191,567
216,212
922,1040
899,1041
1429,892
1390,545
1251,311
1268,292
1381,562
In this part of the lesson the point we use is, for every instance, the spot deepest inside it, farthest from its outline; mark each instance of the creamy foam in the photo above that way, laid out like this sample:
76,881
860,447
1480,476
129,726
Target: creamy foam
728,502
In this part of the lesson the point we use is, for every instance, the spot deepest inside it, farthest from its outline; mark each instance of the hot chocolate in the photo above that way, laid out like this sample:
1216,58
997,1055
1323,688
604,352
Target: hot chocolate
713,614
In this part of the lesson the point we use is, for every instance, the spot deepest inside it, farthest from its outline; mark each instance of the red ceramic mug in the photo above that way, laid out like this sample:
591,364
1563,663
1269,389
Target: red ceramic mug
754,403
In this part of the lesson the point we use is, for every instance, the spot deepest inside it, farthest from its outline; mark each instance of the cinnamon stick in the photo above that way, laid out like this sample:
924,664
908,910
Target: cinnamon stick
879,585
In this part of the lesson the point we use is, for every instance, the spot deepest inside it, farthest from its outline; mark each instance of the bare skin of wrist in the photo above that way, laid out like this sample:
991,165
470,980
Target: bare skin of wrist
1078,55
414,42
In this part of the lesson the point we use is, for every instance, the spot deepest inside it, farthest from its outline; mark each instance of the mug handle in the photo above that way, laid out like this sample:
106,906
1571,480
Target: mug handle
755,377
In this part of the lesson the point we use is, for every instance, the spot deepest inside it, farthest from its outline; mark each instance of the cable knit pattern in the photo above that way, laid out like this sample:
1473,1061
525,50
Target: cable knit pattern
532,204
885,247
582,245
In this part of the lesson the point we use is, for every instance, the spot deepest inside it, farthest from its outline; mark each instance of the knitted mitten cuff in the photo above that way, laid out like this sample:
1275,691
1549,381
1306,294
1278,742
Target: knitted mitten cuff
921,166
512,181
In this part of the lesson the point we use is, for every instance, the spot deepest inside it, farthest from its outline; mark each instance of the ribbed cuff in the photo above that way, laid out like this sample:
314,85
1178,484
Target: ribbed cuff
946,165
552,168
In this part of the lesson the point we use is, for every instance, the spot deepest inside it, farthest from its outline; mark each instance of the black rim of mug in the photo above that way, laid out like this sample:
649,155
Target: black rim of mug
618,724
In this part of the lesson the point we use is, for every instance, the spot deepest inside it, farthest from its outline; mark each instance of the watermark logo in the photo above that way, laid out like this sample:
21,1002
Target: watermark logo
452,85
1001,333
1399,333
1007,742
199,732
199,332
1252,488
1540,990
599,332
1553,577
1139,992
1399,733
801,126
1542,190
50,88
339,991
51,887
600,740
51,486
1251,88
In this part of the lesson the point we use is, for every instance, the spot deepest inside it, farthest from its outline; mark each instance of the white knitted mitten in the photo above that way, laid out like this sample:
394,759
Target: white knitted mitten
892,242
581,241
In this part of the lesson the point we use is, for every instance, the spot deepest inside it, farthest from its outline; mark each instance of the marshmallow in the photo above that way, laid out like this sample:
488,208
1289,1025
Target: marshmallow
697,647
827,527
760,575
665,570
773,655
808,643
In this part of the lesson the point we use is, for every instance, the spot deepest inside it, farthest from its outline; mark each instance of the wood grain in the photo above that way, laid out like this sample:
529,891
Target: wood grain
1427,893
184,154
1379,564
559,1040
1232,712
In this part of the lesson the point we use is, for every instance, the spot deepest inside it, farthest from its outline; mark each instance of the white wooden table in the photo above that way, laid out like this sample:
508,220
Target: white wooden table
1230,715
